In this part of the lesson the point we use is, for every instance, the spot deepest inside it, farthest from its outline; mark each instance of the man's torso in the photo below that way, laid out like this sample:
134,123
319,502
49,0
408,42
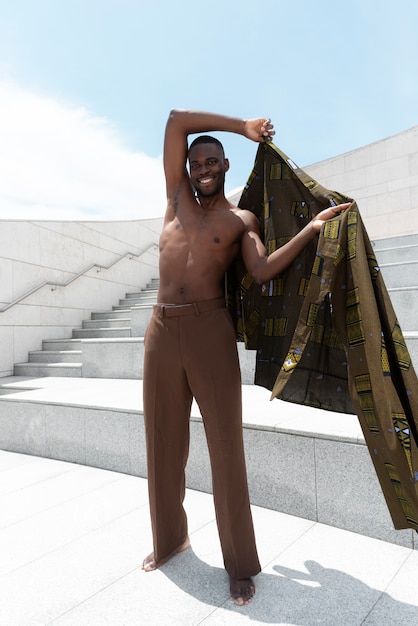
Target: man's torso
196,248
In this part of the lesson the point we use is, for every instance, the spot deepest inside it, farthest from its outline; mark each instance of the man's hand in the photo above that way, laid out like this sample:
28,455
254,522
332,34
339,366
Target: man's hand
327,214
259,129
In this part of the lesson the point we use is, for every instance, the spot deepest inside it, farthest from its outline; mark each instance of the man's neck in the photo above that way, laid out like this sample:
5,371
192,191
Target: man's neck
217,201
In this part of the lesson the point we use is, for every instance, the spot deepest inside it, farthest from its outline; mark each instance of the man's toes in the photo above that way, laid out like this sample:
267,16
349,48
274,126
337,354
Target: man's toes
242,592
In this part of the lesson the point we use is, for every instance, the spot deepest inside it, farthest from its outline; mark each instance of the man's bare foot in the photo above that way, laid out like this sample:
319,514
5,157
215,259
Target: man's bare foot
242,591
150,564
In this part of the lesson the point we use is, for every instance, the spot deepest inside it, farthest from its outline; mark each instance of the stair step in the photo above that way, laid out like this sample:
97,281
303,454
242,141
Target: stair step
396,242
405,303
104,315
397,255
122,322
61,344
48,369
400,274
146,305
85,333
55,356
144,292
133,301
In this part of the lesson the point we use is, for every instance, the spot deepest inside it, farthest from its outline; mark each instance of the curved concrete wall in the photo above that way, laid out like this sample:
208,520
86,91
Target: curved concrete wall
383,178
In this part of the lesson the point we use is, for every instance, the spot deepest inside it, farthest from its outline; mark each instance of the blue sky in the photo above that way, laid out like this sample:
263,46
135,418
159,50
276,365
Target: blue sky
86,87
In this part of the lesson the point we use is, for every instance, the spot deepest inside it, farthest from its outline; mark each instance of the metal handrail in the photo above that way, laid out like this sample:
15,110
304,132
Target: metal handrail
54,285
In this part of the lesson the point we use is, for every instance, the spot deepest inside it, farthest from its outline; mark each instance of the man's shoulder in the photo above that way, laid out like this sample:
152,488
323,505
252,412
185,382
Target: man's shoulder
248,217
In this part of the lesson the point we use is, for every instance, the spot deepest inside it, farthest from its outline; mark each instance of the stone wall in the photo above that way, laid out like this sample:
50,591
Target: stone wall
383,178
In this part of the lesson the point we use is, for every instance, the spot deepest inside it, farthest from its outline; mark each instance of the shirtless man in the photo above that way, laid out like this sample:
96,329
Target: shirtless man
190,346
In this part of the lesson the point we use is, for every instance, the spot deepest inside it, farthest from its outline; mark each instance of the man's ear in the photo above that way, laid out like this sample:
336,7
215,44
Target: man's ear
226,163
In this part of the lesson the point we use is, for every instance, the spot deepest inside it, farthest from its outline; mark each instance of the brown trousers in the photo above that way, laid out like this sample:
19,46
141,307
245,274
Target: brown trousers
190,351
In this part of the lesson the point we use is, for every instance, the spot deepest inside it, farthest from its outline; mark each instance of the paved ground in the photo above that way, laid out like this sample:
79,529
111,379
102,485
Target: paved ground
72,539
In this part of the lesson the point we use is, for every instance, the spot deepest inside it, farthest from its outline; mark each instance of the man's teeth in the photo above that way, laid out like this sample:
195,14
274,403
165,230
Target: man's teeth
205,180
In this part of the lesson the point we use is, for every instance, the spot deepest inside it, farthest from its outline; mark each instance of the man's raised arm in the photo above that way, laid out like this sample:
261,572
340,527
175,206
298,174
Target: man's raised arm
182,123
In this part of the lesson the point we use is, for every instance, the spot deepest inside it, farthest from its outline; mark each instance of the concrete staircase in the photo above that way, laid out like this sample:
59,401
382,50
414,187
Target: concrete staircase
67,357
398,261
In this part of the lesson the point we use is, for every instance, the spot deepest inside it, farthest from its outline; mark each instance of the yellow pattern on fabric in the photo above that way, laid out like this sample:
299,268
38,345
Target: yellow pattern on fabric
275,327
303,286
311,184
352,218
404,433
401,495
351,235
355,331
363,383
251,324
339,256
312,314
384,358
266,210
274,244
268,327
318,265
332,339
271,245
301,209
352,297
246,283
364,392
274,288
278,172
331,229
402,354
291,361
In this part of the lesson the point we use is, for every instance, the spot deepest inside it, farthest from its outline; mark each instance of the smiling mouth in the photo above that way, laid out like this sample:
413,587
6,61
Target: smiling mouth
205,181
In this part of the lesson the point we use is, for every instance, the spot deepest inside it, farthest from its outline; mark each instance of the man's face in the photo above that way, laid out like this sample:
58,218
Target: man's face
207,168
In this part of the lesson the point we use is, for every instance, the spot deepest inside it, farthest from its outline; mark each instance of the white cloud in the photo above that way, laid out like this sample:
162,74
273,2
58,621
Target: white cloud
61,162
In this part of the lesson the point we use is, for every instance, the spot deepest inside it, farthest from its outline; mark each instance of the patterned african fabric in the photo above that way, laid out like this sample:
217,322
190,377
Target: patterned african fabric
325,331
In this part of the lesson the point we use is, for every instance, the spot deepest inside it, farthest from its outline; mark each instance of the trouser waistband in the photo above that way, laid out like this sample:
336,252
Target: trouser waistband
194,308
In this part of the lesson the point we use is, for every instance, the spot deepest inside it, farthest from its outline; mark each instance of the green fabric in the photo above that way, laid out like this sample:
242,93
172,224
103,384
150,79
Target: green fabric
325,330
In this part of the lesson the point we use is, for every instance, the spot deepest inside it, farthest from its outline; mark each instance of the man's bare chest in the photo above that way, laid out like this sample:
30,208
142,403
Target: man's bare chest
205,233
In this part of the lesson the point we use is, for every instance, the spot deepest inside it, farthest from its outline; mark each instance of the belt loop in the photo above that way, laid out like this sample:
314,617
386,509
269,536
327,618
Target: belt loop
161,311
196,308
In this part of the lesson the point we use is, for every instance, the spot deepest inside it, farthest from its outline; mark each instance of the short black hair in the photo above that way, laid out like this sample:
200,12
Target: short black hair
207,139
